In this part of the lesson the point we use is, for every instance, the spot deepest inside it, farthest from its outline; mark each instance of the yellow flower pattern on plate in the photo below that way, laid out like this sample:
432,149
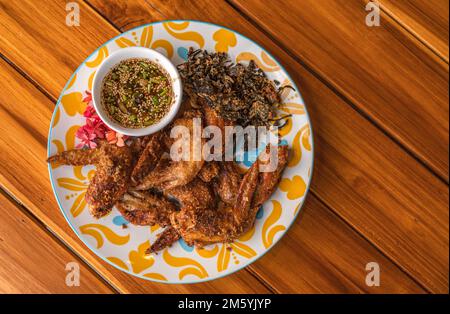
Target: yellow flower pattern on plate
190,266
224,39
97,231
294,188
73,103
101,55
269,229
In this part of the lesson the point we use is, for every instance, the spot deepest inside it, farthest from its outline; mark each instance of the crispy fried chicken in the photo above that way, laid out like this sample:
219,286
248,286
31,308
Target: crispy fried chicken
196,193
209,171
149,156
170,173
212,118
165,239
111,179
227,182
145,208
202,226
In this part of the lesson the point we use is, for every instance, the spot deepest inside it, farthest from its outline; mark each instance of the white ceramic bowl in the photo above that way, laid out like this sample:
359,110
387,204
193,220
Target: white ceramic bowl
136,52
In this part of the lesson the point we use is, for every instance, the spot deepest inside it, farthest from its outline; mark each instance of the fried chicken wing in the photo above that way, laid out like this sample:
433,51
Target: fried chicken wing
164,239
77,157
149,156
198,226
203,227
138,144
268,181
209,171
227,183
224,224
195,194
171,173
111,179
145,208
212,118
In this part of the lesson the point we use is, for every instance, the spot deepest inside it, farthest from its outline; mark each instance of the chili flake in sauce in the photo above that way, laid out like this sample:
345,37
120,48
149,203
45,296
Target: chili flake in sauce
137,93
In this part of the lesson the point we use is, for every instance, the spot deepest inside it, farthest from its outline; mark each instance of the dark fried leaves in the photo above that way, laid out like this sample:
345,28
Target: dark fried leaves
242,94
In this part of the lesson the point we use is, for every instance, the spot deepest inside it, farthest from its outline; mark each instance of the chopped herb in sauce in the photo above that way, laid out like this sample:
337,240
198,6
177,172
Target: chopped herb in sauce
137,93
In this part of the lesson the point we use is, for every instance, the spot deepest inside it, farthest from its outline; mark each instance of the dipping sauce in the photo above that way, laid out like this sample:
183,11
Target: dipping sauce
137,93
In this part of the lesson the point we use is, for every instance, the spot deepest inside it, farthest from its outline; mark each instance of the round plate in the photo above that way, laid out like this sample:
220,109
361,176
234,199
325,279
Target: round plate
125,247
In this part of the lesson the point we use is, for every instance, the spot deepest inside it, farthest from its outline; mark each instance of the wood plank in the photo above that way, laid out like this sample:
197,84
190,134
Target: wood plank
360,173
25,114
384,71
127,14
35,111
425,19
32,260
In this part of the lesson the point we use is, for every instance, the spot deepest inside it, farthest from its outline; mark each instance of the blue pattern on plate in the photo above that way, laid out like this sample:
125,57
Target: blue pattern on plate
249,157
119,221
185,247
182,52
260,213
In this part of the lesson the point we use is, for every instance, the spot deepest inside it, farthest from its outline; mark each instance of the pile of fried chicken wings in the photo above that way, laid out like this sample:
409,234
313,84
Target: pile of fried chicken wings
201,201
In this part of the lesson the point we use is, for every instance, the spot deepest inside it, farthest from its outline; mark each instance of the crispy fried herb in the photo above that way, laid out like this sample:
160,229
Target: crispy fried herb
242,94
281,118
281,122
285,86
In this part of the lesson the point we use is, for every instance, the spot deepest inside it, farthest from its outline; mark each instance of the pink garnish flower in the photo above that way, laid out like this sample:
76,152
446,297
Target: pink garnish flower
88,98
86,136
92,130
116,138
90,113
97,127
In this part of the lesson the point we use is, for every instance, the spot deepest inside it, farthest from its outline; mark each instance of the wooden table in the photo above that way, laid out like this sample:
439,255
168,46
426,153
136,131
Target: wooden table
378,100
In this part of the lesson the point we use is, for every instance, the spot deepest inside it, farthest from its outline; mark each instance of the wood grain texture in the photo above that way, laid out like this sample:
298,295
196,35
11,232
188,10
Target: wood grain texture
40,201
32,261
30,29
360,173
338,187
426,19
384,71
127,14
25,114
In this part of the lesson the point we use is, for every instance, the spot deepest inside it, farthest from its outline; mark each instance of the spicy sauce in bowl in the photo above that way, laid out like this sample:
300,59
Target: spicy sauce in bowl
137,91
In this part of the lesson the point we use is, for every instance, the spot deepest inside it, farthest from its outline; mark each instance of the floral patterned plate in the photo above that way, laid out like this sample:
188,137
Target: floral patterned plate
124,247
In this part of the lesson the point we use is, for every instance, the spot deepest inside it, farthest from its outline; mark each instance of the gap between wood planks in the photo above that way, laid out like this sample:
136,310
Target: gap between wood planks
55,237
334,213
335,90
408,29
